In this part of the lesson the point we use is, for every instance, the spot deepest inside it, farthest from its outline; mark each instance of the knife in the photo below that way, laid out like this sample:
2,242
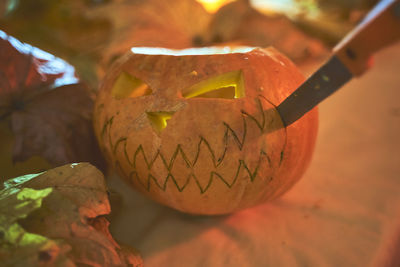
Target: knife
350,58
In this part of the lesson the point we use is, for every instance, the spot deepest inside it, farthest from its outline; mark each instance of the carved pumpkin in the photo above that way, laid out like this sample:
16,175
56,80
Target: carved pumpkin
197,129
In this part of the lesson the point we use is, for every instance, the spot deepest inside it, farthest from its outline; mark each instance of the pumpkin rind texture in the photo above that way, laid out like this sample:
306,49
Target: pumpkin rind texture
200,133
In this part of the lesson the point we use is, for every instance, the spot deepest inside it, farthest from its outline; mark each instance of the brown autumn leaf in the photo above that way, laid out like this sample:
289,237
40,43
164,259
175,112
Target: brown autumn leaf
60,215
17,246
46,107
60,27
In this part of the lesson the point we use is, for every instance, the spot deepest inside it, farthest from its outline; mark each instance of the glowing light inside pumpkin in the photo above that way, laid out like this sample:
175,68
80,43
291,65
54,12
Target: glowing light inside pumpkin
159,119
213,50
228,85
213,5
128,86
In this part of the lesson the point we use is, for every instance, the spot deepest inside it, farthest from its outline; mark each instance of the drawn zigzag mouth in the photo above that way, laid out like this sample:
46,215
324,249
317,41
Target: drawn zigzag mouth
148,180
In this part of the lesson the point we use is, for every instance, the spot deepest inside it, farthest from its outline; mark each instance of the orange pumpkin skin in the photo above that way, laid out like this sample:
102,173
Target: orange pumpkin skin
215,155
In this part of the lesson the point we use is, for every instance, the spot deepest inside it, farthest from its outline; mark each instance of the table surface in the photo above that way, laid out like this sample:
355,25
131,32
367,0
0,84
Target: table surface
345,211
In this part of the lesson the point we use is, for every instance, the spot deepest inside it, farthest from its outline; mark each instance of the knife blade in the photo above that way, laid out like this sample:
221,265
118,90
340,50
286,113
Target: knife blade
329,78
351,58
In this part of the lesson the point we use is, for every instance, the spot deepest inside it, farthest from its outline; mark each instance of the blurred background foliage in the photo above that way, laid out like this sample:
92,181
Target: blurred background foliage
90,34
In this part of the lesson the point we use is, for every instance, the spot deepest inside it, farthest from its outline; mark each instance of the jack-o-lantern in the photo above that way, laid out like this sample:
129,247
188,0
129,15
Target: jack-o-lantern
197,129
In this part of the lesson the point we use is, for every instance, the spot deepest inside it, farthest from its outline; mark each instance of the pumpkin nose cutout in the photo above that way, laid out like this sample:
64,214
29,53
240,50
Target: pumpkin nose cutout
229,85
159,119
127,85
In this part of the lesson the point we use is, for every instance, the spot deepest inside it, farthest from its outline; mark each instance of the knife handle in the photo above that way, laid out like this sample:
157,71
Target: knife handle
380,28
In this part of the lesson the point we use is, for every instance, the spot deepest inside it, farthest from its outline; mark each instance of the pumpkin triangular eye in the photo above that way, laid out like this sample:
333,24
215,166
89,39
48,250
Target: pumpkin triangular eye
159,119
127,85
228,85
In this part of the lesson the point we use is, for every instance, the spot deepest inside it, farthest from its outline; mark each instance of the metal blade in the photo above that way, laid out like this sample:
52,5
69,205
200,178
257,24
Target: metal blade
329,78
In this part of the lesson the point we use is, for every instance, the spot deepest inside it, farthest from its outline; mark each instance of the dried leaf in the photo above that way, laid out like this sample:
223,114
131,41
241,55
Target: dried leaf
56,218
60,27
48,110
17,246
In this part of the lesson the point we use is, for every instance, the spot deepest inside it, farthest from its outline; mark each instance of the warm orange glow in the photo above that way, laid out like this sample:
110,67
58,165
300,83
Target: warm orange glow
290,8
213,5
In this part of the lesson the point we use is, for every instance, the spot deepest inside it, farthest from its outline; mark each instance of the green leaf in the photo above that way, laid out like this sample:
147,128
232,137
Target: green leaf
55,218
17,246
18,203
